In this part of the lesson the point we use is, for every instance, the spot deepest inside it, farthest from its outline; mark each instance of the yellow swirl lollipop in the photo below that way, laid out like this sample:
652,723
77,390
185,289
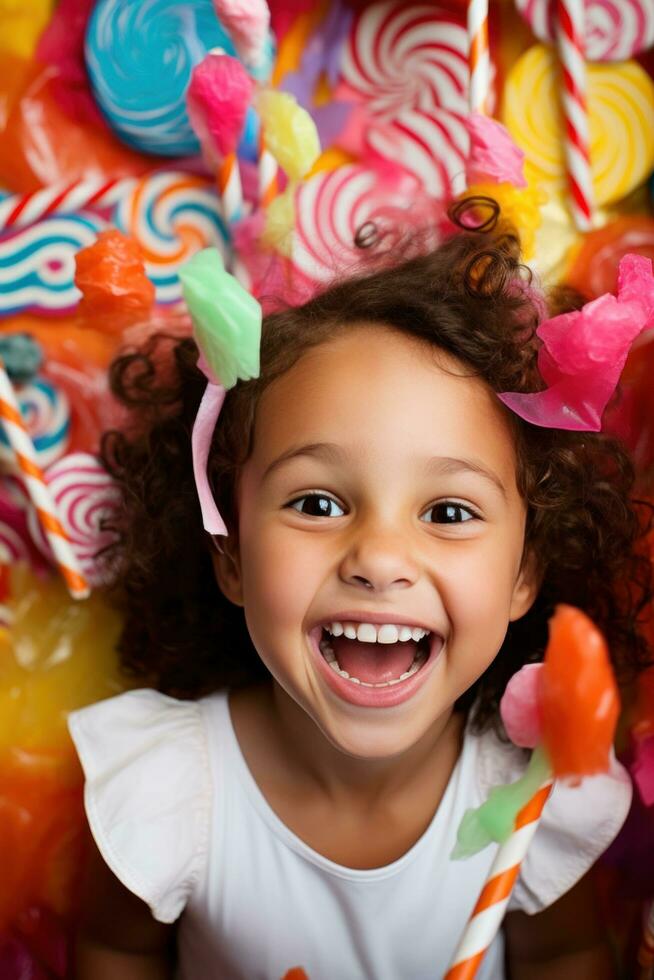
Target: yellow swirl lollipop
621,118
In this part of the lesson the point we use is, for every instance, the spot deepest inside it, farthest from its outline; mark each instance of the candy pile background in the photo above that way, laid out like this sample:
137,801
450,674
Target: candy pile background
347,120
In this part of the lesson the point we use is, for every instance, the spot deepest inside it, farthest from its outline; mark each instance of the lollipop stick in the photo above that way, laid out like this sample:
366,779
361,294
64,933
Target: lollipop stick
21,210
40,495
487,915
230,189
268,175
571,47
478,55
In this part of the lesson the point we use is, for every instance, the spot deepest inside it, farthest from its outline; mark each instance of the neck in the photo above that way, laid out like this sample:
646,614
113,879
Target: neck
362,783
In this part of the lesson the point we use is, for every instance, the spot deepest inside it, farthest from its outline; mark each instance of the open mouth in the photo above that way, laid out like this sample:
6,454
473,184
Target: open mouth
382,662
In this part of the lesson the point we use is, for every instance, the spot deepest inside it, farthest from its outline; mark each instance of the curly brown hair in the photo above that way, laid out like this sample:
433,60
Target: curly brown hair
470,297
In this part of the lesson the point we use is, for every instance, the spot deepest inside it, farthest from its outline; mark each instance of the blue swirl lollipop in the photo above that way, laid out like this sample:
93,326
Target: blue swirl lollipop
139,55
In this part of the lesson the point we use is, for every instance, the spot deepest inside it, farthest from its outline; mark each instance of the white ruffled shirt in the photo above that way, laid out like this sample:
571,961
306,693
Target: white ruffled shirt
180,820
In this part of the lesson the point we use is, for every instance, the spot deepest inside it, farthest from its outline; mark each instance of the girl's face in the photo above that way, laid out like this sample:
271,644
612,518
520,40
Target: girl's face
381,489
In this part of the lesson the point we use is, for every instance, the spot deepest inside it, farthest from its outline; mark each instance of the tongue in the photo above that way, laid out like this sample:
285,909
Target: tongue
373,662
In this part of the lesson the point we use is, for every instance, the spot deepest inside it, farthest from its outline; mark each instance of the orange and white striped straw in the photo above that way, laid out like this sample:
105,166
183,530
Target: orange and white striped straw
487,915
230,189
23,447
478,56
268,175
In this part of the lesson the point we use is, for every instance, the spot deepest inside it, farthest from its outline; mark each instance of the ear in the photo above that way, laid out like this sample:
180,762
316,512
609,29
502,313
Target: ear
226,560
526,587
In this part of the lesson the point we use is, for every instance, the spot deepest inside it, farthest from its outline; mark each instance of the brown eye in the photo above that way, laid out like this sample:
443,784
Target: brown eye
449,512
316,505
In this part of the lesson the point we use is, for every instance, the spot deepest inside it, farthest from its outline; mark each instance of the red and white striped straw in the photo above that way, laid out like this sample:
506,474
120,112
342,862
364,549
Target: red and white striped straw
487,915
478,56
23,447
571,48
21,210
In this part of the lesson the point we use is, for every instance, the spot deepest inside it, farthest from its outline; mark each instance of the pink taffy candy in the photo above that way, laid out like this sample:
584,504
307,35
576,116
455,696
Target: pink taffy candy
520,707
247,22
493,154
584,352
218,97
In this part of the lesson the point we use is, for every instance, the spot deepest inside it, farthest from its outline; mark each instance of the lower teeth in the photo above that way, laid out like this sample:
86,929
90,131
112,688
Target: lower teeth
330,657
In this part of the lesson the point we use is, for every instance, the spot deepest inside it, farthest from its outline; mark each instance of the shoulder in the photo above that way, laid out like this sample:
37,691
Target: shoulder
147,792
578,822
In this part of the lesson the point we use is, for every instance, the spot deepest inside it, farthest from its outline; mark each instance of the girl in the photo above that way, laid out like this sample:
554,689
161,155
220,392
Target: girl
323,688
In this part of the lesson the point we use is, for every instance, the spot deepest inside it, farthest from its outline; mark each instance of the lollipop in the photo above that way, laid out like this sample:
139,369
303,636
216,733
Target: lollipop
46,413
431,144
614,29
171,216
85,497
593,268
37,264
15,542
333,208
403,56
575,698
621,117
140,57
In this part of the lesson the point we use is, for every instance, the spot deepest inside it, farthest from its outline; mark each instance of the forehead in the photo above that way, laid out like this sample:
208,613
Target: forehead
382,394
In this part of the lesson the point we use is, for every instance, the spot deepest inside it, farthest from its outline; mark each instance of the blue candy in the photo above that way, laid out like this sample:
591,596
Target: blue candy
139,55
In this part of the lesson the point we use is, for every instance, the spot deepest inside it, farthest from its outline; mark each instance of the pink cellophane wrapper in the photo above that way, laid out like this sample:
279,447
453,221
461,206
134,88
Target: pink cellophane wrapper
520,707
217,99
493,154
642,769
247,22
584,352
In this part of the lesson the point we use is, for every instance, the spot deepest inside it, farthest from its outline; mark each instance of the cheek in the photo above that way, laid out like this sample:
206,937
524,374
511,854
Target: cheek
280,578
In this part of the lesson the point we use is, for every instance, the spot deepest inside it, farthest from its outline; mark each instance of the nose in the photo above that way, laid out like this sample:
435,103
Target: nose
379,558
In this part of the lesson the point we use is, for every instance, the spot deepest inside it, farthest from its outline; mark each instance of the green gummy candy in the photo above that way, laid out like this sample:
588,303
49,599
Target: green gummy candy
495,819
226,318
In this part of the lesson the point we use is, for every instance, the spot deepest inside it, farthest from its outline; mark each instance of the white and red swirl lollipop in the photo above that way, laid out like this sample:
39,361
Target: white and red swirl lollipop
401,55
614,29
407,64
85,496
354,203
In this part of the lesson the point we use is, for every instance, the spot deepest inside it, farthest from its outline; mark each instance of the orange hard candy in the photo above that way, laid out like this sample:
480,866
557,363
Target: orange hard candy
116,291
579,696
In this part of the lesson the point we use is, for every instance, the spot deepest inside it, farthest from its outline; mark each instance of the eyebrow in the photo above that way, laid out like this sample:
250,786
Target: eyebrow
441,465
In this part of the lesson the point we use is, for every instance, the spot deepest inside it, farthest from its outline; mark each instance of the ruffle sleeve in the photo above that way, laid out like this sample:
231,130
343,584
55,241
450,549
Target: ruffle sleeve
147,793
577,825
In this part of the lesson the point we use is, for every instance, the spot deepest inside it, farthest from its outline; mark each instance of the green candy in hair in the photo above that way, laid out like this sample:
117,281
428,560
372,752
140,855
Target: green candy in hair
226,318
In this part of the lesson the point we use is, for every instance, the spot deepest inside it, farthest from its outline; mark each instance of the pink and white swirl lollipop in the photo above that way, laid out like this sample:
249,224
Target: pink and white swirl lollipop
614,29
407,55
85,496
433,145
335,208
15,542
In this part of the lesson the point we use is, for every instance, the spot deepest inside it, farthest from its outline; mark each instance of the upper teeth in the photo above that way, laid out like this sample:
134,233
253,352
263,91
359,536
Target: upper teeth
370,633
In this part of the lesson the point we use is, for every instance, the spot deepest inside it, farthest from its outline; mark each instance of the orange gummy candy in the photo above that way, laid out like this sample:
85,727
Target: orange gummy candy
296,973
580,701
116,292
